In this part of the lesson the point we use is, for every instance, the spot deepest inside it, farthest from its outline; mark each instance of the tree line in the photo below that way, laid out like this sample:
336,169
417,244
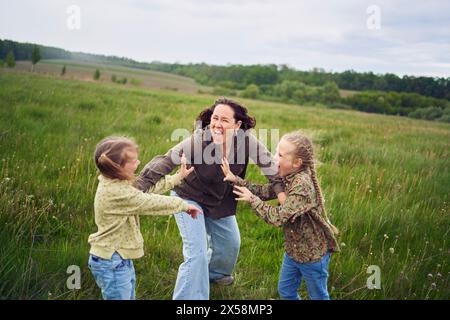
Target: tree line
240,76
418,97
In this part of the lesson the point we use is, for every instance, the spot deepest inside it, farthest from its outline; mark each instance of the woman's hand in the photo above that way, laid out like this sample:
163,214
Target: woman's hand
243,193
184,171
193,211
229,176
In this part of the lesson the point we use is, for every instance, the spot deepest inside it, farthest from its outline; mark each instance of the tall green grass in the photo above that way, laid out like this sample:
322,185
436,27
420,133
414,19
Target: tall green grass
386,182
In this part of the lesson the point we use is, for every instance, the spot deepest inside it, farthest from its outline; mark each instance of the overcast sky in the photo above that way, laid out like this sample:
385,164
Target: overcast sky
411,37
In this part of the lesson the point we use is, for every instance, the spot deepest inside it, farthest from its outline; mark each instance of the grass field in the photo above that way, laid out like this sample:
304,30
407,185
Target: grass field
386,181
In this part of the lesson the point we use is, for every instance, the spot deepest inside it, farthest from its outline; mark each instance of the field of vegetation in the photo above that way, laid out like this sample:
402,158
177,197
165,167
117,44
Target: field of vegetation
139,78
386,182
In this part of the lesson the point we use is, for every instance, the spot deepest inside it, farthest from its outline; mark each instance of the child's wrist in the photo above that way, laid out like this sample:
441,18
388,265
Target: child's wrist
253,199
239,181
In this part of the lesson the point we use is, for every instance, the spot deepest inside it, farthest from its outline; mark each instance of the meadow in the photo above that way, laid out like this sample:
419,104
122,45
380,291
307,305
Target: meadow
386,181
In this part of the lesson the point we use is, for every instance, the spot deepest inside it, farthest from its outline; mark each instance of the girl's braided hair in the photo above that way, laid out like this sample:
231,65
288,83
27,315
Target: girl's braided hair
304,151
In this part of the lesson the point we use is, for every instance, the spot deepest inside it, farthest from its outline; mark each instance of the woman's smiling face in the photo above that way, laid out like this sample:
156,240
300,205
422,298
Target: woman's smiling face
223,123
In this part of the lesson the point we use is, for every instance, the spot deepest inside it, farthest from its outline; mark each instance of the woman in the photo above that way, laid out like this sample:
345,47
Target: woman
223,132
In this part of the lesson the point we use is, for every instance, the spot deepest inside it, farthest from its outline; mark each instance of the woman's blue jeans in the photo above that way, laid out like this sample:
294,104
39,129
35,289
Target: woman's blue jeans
210,250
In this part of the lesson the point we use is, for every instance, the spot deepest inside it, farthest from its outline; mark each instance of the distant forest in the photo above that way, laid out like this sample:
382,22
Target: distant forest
380,93
239,76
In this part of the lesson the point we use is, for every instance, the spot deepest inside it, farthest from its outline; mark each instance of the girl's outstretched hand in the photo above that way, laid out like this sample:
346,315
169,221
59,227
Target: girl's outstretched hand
282,197
193,211
243,193
229,176
184,171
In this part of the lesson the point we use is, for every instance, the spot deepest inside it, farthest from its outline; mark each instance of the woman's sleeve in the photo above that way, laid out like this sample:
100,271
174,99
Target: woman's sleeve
264,159
162,165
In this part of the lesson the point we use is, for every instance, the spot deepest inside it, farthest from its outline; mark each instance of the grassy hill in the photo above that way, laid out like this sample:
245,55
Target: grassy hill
140,78
83,70
386,181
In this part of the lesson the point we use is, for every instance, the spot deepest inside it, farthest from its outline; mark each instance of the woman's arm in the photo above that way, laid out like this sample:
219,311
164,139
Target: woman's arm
168,182
162,165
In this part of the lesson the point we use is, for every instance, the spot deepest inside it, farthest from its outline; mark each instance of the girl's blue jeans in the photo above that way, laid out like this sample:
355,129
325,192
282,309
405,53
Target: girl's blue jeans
115,277
314,273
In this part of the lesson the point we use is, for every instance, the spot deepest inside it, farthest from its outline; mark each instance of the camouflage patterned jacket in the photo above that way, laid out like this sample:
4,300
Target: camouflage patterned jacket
309,237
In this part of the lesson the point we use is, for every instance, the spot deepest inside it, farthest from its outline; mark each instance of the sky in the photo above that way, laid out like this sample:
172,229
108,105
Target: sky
397,36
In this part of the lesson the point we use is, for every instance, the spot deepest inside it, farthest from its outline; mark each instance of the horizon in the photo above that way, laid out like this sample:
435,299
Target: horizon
398,38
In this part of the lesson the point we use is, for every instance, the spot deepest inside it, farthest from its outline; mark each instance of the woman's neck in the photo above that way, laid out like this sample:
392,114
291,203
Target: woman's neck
226,146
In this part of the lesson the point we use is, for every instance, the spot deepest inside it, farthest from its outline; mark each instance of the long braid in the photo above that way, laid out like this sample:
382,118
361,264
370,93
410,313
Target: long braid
320,199
304,151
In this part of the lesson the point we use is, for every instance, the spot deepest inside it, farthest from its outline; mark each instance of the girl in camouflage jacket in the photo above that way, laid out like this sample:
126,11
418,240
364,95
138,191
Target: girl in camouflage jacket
309,235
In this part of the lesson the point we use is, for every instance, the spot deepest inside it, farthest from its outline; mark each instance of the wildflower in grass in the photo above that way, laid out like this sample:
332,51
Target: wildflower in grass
430,276
439,275
7,179
342,244
391,250
386,236
433,286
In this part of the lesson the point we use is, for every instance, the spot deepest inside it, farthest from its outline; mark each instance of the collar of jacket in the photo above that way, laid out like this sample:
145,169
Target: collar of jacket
290,177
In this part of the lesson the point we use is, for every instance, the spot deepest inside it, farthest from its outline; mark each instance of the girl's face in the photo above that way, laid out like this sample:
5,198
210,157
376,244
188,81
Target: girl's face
285,160
131,165
223,123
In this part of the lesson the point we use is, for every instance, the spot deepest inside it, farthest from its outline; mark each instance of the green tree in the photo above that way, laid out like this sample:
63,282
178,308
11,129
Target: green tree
1,63
35,57
10,60
63,70
330,92
96,74
251,92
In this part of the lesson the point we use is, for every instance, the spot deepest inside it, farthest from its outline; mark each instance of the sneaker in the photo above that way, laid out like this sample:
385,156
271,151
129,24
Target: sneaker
224,281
